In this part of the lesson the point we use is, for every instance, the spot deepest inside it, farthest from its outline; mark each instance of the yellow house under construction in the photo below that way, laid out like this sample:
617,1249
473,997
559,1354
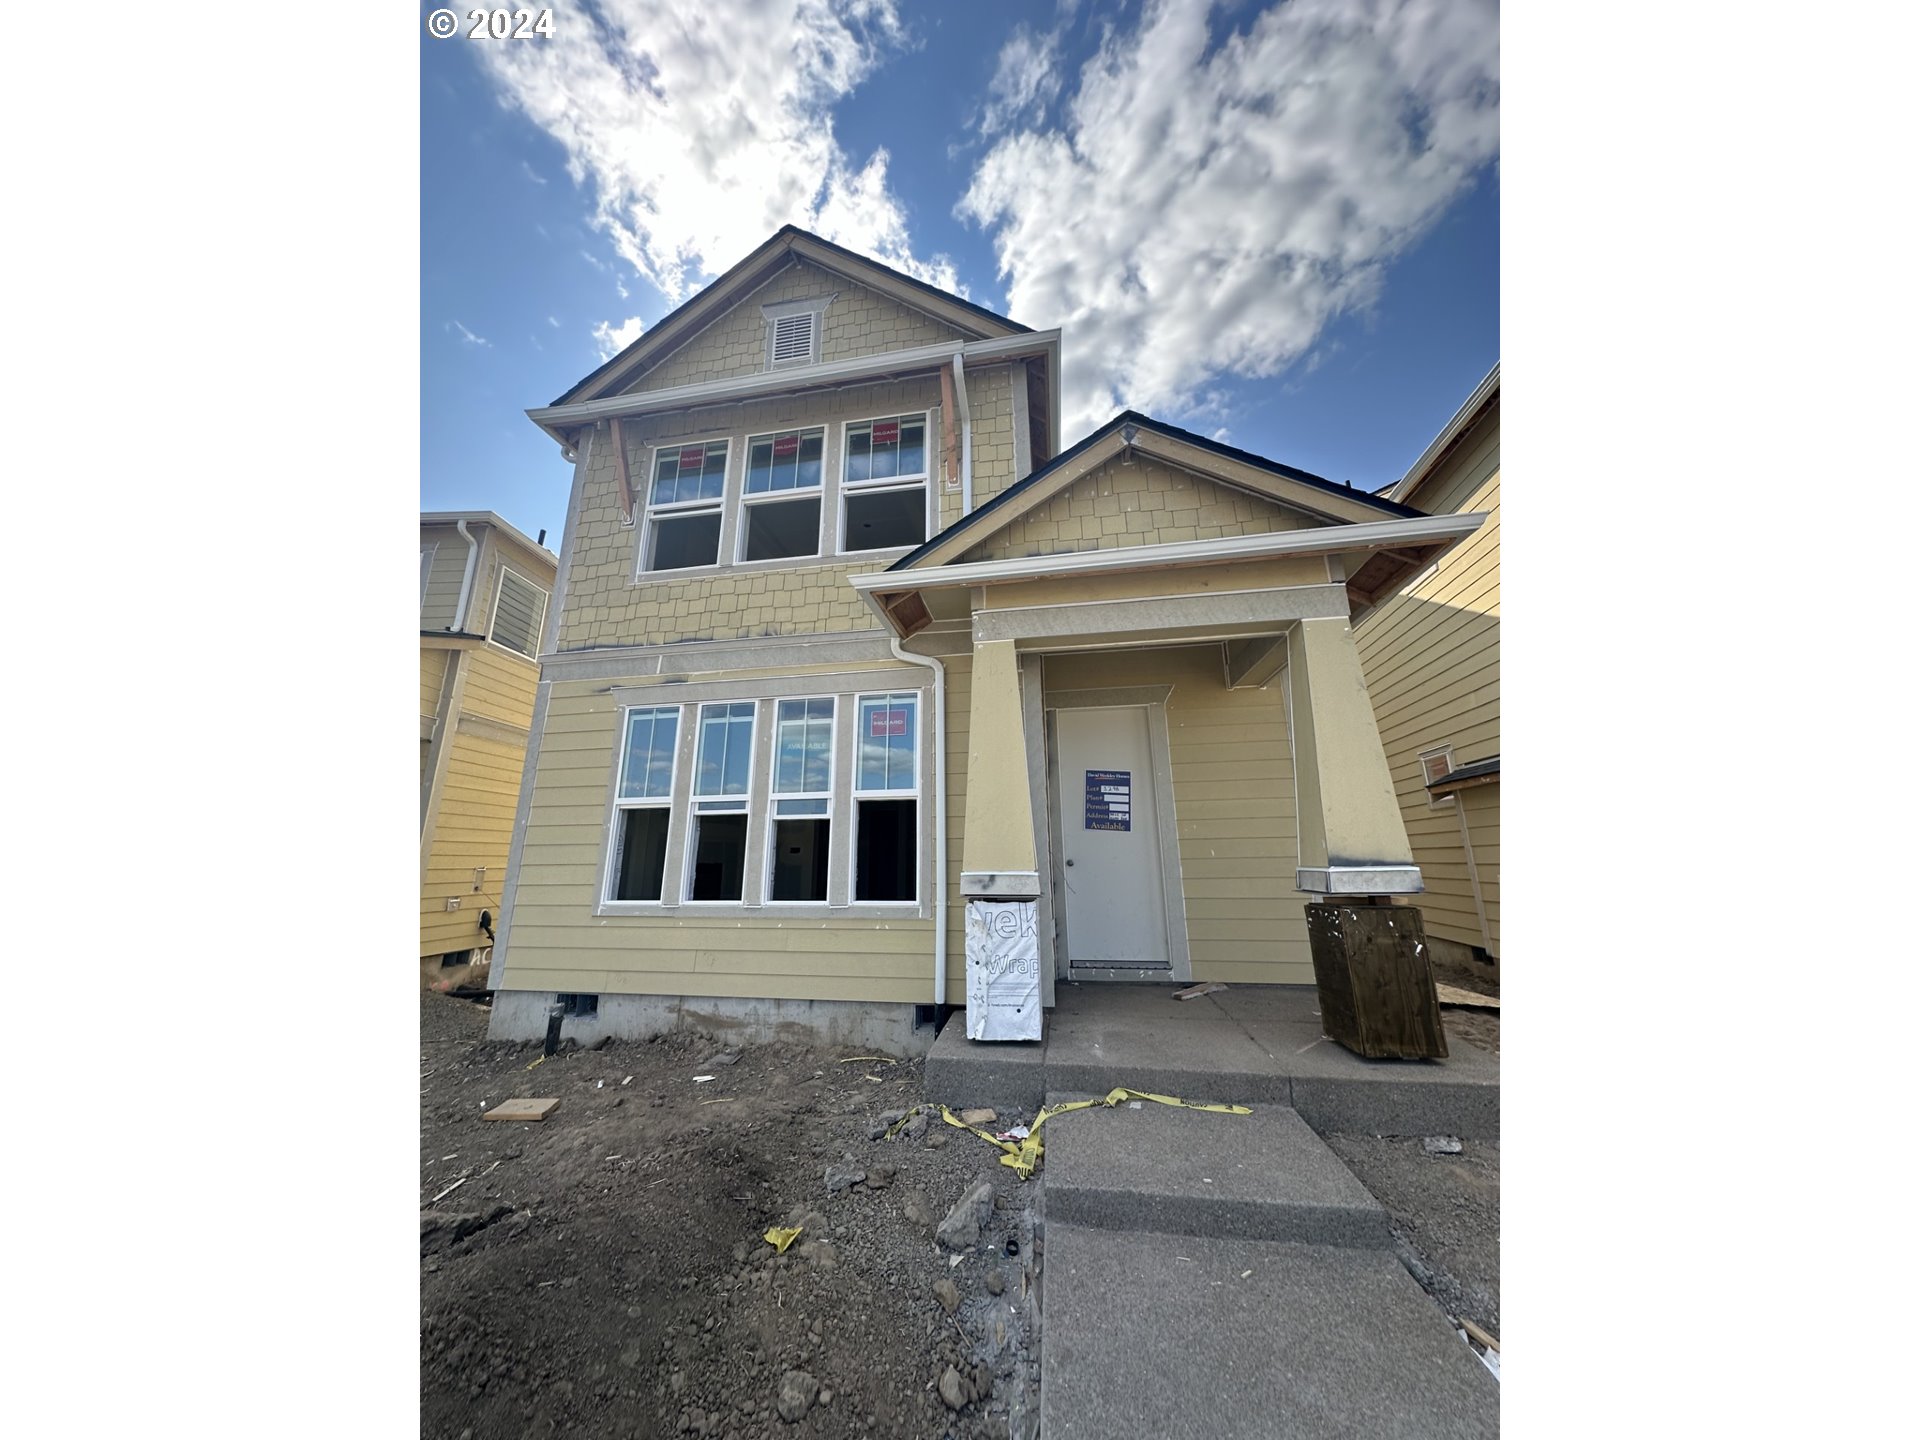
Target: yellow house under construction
847,647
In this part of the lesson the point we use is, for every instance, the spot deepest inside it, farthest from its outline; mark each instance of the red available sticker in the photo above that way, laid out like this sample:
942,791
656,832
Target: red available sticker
693,457
882,723
886,433
786,445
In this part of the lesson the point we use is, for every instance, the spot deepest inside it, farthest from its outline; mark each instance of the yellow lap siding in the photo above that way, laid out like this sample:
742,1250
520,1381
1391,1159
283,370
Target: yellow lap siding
475,826
1432,661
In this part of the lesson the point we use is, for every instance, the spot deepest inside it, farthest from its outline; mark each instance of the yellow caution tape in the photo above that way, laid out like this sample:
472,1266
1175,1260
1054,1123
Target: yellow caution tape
540,1061
1023,1158
781,1236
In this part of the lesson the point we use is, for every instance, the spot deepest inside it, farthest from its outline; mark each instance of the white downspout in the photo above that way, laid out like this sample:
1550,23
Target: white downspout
466,580
939,808
966,434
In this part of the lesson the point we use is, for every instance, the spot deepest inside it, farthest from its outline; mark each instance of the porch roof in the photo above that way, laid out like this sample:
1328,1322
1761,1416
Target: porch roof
1392,549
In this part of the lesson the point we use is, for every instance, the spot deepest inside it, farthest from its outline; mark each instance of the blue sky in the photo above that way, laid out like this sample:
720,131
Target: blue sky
1275,224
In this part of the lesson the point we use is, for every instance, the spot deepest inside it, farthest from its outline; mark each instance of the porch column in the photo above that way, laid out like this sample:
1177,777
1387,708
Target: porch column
998,857
1370,964
999,871
1352,838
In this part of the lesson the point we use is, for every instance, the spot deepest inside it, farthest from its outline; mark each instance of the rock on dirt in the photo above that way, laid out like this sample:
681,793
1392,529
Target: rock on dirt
947,1293
979,1117
843,1177
1442,1144
798,1391
961,1229
952,1390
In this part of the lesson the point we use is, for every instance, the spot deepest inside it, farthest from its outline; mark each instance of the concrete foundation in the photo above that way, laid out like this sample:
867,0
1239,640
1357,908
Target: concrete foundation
886,1029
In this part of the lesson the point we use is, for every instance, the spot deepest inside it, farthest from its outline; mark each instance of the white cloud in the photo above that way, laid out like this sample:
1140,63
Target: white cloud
1024,82
1197,216
532,174
612,338
553,322
703,128
467,337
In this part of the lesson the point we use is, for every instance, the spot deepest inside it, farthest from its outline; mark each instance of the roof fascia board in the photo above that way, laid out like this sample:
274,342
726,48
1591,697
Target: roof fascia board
1326,539
1103,445
483,517
556,419
1483,394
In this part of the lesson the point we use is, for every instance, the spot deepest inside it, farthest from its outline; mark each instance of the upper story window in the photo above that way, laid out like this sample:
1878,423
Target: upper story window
780,511
683,507
519,607
884,487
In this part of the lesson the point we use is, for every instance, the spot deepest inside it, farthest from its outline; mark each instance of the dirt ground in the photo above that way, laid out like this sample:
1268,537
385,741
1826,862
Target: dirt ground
1445,1209
603,1272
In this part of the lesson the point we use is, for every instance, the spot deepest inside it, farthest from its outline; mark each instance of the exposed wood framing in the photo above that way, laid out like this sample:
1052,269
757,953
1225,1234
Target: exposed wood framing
949,425
620,466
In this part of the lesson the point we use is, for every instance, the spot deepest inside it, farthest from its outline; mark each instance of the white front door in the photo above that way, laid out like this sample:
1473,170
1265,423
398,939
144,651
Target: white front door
1114,912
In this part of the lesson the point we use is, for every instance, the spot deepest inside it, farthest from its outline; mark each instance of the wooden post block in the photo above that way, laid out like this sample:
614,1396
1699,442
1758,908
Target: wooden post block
522,1110
1375,984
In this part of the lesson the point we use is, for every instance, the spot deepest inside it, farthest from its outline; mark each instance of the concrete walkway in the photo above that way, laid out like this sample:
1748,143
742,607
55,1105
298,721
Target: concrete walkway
1226,1276
1248,1044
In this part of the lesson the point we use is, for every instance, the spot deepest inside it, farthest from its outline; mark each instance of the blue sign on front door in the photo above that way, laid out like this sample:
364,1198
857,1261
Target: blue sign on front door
1109,800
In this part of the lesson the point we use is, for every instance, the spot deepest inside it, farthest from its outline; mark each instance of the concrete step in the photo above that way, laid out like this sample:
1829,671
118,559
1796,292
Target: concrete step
1264,1176
1203,1338
1268,1050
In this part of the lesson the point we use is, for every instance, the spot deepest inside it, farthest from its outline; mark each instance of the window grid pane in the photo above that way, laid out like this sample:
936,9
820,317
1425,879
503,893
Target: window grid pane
804,744
692,472
646,771
893,449
726,745
889,730
788,460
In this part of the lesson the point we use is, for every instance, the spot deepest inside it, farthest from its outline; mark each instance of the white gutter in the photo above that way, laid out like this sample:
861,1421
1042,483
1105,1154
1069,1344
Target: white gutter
555,419
466,580
939,669
966,434
939,813
1370,535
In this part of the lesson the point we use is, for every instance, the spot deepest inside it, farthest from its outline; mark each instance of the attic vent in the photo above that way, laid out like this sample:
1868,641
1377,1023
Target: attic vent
518,609
793,337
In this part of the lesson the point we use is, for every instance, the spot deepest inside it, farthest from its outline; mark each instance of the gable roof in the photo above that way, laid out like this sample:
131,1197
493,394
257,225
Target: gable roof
1296,487
789,241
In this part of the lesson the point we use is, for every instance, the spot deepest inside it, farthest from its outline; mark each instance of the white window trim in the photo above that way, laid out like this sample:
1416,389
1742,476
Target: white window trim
1435,802
774,797
718,506
848,487
717,804
783,309
647,802
774,496
426,573
539,619
856,795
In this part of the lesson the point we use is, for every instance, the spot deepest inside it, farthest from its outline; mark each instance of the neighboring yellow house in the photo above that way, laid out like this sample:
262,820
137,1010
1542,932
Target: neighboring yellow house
846,642
1432,657
484,589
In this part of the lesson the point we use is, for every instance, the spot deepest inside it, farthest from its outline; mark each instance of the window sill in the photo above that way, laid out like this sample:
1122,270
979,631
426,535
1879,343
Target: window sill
748,567
772,910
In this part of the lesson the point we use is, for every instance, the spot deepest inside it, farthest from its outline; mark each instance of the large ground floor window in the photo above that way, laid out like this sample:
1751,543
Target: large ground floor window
703,814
